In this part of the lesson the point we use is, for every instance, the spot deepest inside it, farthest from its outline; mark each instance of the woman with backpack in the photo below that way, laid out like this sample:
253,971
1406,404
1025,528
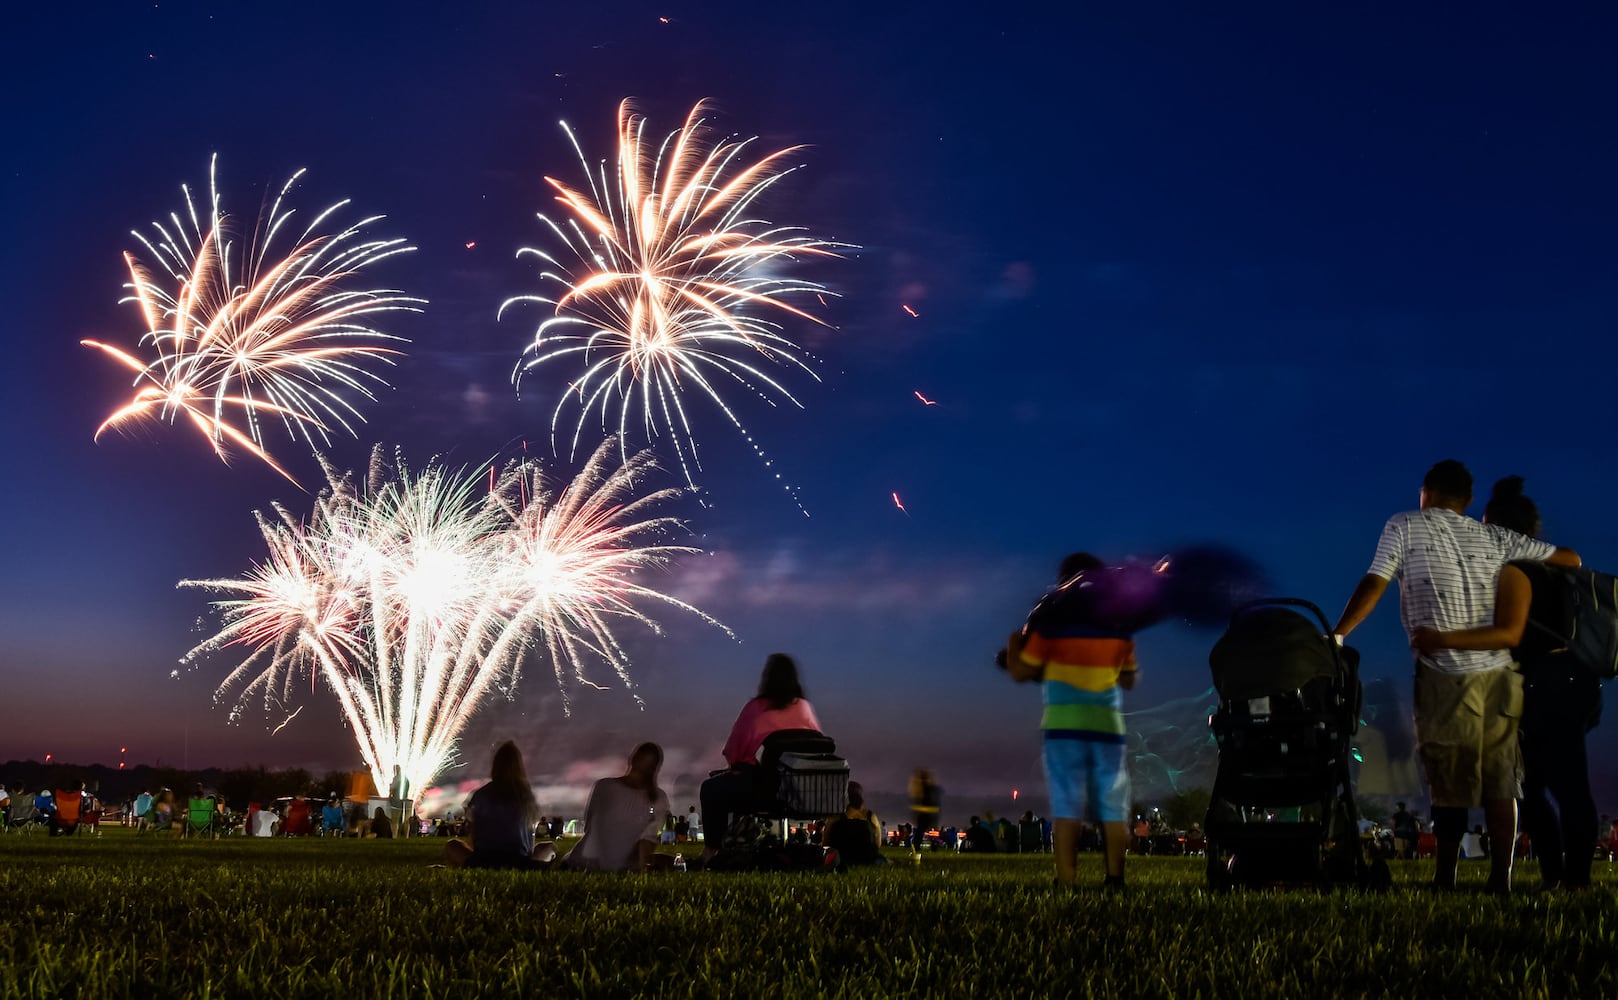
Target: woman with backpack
1561,697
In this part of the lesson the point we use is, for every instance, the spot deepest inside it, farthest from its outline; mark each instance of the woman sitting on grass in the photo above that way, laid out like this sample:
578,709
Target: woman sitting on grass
500,820
624,819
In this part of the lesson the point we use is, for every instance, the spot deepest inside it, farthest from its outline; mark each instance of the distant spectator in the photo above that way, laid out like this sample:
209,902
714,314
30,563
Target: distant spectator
262,822
979,837
381,827
299,820
331,818
926,798
1028,834
163,810
143,810
1405,833
856,835
1472,844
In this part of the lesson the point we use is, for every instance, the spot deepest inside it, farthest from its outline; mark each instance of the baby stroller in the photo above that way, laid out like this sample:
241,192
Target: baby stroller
1282,809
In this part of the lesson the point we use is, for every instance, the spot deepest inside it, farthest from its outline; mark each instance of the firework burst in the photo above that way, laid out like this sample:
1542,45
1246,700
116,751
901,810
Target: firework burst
414,597
674,286
238,335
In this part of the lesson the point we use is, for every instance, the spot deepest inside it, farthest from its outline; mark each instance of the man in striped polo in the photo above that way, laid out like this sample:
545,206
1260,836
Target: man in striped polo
1467,702
1084,666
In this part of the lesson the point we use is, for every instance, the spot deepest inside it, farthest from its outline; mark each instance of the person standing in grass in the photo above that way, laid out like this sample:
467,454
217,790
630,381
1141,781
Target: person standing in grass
1467,701
1084,669
925,800
1561,699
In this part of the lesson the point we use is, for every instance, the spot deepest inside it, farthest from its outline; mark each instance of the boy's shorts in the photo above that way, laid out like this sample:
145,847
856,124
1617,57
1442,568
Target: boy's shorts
1080,773
1466,733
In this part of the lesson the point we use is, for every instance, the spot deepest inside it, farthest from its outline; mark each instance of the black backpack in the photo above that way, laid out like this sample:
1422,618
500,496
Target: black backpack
1576,610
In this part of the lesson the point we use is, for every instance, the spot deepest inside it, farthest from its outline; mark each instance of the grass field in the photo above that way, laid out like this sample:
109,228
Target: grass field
124,916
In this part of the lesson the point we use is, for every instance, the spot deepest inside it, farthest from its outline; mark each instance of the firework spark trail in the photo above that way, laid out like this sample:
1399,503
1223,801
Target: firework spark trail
414,597
239,333
672,272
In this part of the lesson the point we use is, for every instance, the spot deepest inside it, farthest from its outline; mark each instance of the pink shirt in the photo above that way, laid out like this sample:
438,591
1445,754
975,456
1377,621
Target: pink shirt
759,720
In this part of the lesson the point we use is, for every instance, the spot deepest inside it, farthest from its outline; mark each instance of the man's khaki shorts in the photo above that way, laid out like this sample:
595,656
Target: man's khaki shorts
1466,733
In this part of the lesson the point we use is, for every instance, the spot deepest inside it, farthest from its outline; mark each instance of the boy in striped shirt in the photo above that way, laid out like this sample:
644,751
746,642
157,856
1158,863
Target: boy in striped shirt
1467,702
1084,669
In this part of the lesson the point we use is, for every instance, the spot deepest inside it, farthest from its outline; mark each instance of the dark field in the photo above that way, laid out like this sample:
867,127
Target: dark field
117,915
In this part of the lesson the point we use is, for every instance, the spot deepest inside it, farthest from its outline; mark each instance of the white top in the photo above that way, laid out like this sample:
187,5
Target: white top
1471,845
617,819
1447,565
264,823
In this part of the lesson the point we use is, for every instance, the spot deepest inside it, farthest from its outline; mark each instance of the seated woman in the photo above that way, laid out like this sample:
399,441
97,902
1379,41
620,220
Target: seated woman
624,819
381,827
780,704
331,818
500,820
163,810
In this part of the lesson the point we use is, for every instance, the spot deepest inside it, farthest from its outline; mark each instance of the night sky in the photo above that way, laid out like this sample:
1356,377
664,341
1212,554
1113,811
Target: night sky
1181,275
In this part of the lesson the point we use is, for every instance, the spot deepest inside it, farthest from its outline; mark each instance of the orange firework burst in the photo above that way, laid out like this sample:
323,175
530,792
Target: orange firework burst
238,333
677,287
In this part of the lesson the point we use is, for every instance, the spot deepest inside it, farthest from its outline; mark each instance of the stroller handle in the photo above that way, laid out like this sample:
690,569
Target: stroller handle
1286,602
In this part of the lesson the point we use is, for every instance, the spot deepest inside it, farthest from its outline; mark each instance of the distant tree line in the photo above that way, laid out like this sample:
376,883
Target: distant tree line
237,786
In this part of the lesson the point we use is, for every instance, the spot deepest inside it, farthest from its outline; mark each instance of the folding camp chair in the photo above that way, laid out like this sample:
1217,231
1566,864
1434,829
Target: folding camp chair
69,807
200,818
23,817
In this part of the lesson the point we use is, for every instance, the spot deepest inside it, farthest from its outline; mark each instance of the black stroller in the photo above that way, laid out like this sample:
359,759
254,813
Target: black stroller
1283,808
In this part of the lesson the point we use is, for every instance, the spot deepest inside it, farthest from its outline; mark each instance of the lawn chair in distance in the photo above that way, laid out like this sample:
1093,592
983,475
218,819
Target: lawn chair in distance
23,816
69,809
200,818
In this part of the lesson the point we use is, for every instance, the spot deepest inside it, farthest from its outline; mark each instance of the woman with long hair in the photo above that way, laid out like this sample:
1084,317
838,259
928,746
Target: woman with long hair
500,819
780,704
624,818
1561,699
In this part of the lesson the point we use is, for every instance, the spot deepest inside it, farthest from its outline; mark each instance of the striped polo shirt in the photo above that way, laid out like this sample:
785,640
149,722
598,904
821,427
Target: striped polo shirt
1081,667
1447,565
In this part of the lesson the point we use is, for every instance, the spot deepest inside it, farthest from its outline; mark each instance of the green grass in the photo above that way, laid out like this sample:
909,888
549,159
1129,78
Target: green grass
124,916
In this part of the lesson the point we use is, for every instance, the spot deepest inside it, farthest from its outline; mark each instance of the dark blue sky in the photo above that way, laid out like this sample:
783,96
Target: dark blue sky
1182,275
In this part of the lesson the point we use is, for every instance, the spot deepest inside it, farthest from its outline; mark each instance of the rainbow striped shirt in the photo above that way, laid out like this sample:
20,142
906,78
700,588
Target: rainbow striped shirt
1081,666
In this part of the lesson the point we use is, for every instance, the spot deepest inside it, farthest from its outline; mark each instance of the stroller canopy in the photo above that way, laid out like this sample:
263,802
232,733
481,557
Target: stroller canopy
1269,649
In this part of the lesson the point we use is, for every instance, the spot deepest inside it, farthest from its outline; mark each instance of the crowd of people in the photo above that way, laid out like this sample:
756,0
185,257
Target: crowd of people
1500,715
